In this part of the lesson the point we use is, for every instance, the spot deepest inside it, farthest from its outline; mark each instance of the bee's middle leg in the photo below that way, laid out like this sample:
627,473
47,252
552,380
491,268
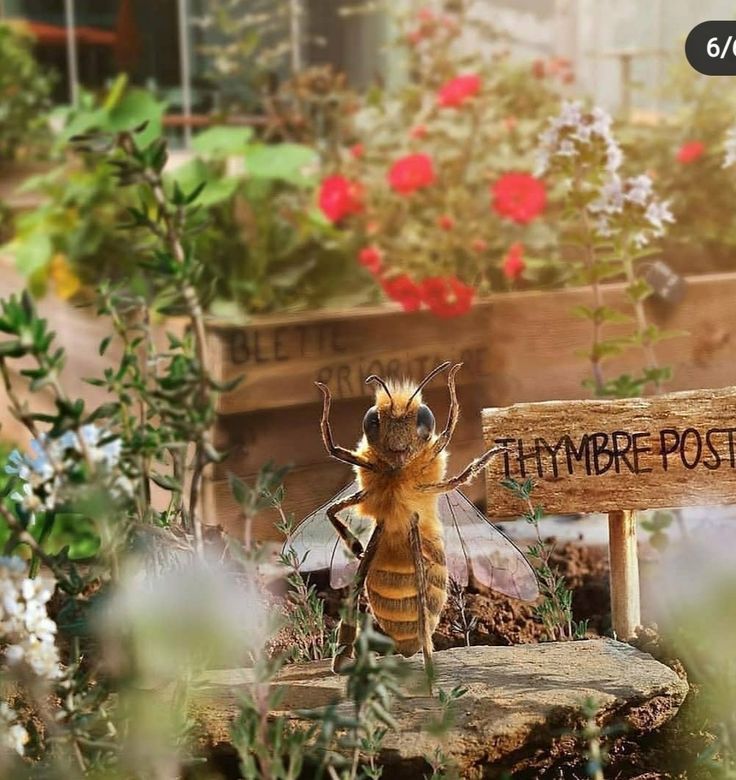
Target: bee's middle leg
423,630
348,628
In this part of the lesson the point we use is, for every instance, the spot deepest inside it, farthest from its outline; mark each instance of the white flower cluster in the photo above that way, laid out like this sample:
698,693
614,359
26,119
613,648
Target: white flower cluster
631,201
576,133
25,627
13,734
730,147
44,470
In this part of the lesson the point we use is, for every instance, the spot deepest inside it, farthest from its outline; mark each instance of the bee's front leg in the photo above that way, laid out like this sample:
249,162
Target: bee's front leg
452,416
469,473
348,628
339,453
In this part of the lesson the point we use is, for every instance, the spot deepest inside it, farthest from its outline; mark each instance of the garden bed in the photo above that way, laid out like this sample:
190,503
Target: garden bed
516,347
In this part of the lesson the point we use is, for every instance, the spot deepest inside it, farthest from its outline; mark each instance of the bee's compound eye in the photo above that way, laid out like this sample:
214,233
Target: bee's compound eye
425,422
370,424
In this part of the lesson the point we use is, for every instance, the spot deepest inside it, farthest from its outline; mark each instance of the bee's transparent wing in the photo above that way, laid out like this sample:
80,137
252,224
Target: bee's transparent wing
317,545
473,544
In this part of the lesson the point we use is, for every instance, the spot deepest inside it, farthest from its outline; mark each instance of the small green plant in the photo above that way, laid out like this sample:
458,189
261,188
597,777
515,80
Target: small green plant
443,766
592,735
555,610
24,97
462,624
371,683
610,224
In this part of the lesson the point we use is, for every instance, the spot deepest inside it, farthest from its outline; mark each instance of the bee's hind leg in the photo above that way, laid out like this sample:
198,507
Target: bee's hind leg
348,628
423,630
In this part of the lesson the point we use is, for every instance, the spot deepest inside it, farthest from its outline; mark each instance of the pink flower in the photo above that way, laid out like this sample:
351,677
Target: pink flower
445,222
404,291
419,132
339,197
513,264
371,257
479,245
690,151
411,173
519,196
457,91
447,296
357,151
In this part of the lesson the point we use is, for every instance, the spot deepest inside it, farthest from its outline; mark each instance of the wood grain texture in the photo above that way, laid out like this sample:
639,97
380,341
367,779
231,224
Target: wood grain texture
642,453
624,573
291,435
307,488
280,358
522,346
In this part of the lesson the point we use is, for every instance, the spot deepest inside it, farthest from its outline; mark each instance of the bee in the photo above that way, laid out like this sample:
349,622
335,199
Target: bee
401,529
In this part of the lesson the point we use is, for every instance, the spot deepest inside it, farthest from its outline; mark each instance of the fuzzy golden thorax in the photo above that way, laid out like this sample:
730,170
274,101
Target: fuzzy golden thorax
399,426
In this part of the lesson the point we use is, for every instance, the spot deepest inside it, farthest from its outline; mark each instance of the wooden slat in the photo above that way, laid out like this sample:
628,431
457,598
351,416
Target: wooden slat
523,346
639,453
291,435
307,488
281,358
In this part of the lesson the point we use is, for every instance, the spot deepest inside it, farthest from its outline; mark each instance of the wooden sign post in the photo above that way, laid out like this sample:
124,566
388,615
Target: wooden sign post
617,457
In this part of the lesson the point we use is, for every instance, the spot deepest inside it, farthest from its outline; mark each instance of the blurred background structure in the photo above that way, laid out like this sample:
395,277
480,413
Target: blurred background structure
174,47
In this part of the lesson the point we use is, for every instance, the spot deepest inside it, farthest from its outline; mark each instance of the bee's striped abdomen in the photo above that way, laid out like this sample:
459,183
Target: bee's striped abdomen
392,591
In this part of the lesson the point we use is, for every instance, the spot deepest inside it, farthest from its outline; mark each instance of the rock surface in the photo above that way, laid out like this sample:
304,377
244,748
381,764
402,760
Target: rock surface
521,702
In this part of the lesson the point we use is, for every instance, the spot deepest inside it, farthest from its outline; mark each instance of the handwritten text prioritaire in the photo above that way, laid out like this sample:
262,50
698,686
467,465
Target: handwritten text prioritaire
639,452
597,456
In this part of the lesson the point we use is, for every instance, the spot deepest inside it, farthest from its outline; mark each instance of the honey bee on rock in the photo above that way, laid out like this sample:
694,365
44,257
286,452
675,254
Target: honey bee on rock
402,528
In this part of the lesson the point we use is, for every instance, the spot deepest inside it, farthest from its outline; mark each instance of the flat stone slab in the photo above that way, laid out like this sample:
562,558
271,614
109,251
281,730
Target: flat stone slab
520,700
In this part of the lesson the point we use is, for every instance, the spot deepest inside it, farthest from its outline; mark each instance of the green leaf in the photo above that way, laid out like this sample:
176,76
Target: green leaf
292,163
32,252
222,141
193,174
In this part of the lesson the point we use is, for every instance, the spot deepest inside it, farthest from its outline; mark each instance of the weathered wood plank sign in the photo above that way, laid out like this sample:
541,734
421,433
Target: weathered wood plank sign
598,456
617,456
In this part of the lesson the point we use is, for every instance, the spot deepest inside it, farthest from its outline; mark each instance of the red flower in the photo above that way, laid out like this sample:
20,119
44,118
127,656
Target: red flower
357,151
519,196
426,15
539,69
513,263
479,245
404,291
446,222
371,257
447,296
458,90
411,173
690,151
418,132
340,197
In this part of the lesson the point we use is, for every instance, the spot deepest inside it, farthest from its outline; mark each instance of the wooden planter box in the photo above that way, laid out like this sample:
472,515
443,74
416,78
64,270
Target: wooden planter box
515,347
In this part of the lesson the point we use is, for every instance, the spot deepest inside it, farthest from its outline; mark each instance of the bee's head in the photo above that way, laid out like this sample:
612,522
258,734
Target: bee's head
398,426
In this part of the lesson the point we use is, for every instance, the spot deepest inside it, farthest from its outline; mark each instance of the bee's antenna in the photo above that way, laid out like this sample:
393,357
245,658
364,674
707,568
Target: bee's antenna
430,376
377,379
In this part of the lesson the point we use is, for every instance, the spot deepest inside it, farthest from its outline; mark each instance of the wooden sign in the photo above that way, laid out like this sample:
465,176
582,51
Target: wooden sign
616,457
598,456
281,358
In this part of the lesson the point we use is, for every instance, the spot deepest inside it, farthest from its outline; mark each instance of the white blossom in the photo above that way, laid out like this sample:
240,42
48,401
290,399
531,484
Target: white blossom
25,627
43,471
13,735
578,133
630,205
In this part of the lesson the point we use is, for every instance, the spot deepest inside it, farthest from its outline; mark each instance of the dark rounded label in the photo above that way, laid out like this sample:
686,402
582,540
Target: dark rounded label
711,48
